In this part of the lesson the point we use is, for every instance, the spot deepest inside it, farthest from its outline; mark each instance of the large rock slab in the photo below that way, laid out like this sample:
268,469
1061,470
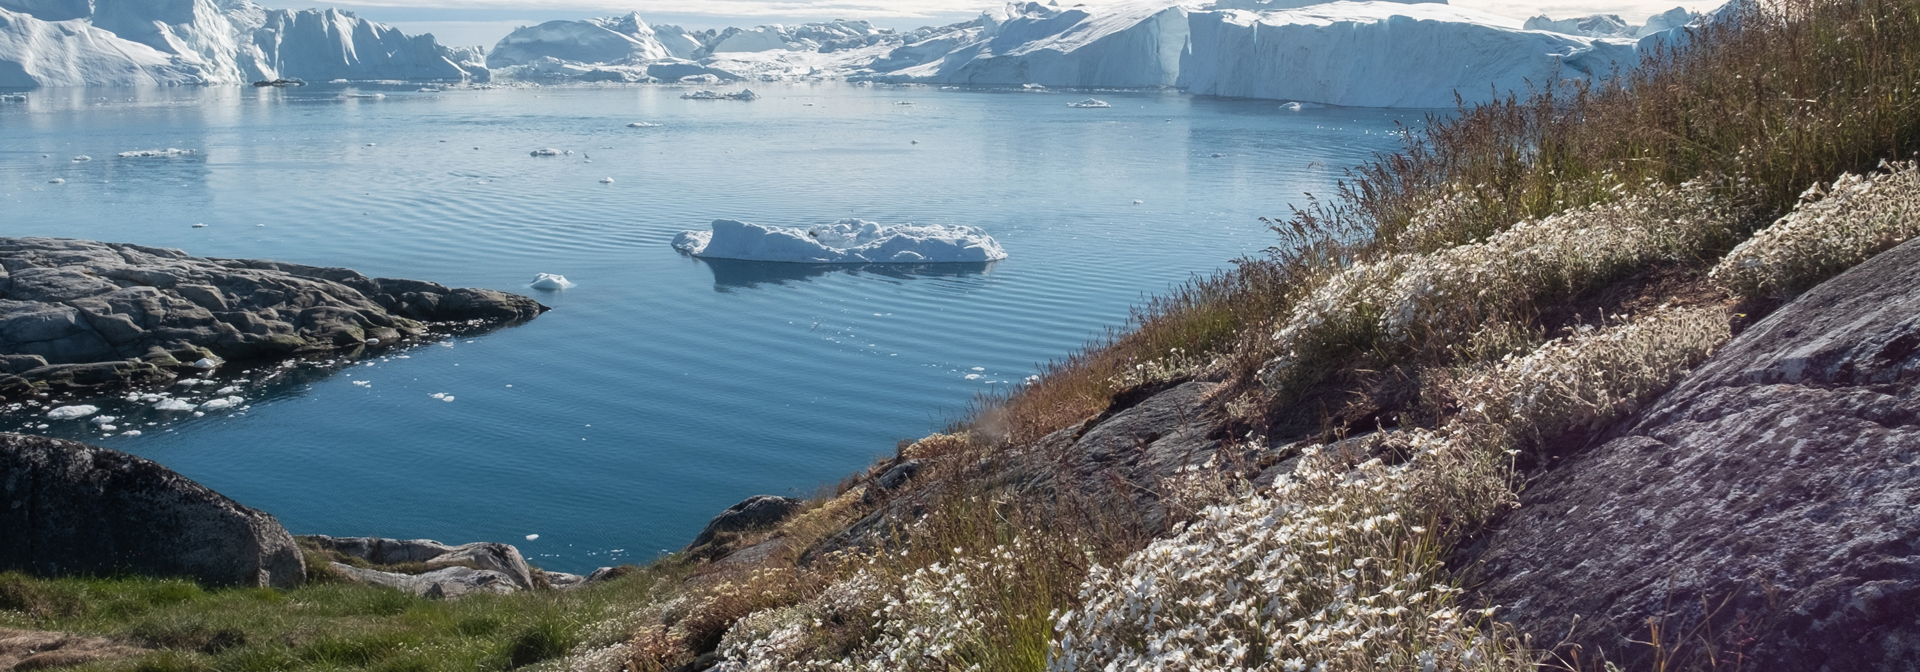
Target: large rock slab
752,513
1764,508
502,559
67,508
446,583
149,311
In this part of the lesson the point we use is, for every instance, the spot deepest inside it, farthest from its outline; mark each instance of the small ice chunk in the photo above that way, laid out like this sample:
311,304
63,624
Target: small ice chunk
642,124
221,404
82,158
56,181
130,432
369,144
979,368
532,537
550,281
1090,103
1139,202
704,94
606,180
1296,107
173,405
72,412
103,419
168,153
108,428
973,376
438,395
230,389
372,341
363,383
203,362
544,152
200,225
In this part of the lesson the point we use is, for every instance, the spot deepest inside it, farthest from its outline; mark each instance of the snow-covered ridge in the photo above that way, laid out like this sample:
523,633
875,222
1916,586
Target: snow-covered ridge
171,42
848,241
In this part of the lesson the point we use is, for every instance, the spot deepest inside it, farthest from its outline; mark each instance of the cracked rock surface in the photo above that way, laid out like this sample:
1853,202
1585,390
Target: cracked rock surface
1768,506
79,314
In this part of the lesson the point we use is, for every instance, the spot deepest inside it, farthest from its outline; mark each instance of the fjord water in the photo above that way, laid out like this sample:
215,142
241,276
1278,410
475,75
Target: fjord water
662,388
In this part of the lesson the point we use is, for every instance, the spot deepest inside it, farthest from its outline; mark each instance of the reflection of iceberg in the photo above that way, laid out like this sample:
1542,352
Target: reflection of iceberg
848,241
735,273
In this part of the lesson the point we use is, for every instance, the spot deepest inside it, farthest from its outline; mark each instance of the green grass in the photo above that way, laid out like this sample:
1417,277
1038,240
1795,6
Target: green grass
327,626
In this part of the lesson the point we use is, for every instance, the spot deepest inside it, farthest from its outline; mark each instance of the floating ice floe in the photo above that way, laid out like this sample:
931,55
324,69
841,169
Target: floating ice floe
173,405
130,432
848,241
704,94
200,225
56,181
532,537
1297,106
642,124
441,396
13,97
103,419
72,412
204,362
544,152
1090,102
221,404
346,96
363,383
82,158
606,180
167,153
550,281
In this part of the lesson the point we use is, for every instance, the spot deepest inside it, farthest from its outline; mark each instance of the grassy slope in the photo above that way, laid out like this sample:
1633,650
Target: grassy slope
1790,94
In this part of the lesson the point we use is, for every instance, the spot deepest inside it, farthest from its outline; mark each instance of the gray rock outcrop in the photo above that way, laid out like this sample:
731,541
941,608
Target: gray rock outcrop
755,512
67,508
445,583
77,314
1765,508
501,559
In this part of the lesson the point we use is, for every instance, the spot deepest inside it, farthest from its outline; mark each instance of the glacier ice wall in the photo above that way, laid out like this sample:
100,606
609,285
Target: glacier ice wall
170,42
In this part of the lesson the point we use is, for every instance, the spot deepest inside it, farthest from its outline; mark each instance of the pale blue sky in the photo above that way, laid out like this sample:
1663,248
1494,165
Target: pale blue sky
484,22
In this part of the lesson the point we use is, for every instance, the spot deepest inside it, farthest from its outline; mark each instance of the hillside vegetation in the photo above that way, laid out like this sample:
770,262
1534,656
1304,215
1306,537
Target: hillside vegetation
1457,318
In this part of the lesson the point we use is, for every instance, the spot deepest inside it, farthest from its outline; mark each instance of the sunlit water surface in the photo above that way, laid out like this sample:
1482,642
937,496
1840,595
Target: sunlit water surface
662,388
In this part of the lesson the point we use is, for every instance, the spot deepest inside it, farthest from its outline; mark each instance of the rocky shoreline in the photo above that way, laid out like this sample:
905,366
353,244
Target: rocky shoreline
80,315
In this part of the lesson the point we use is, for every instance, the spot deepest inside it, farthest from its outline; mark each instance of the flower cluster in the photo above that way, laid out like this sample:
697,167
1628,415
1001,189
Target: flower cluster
1833,228
1593,378
1332,569
1339,565
1446,296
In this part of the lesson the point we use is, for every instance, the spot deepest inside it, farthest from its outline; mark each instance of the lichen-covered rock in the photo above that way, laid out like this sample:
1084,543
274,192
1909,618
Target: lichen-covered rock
150,311
1765,508
502,559
445,583
67,508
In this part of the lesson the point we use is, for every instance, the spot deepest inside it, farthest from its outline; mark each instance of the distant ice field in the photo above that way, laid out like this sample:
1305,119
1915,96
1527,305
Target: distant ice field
662,388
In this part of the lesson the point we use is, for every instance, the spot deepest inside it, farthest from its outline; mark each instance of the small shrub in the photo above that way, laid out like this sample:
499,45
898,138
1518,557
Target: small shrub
1831,230
38,599
546,639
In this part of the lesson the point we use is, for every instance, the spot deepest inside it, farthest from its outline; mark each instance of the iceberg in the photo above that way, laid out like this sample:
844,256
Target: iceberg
1383,54
72,412
169,153
848,241
549,281
703,94
145,43
621,39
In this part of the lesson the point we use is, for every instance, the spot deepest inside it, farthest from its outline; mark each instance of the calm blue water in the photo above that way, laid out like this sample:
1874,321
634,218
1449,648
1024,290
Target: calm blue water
662,389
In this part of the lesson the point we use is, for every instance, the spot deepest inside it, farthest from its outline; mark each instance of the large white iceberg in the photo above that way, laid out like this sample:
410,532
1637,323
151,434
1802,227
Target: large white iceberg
1382,54
149,42
848,241
614,39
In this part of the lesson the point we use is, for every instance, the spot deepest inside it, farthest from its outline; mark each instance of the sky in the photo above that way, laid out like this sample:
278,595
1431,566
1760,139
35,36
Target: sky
484,22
